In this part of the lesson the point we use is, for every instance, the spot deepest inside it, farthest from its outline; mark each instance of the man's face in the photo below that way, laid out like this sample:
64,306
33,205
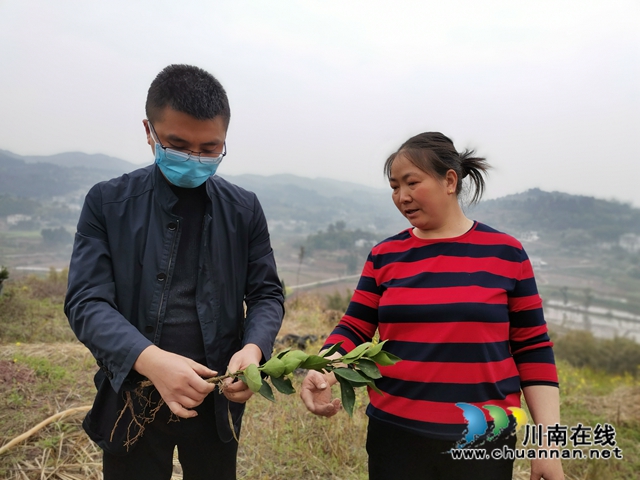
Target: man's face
185,133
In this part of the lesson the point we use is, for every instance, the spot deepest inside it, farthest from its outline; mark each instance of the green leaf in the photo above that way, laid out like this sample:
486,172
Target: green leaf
332,350
385,359
292,360
368,367
274,367
348,395
296,354
315,362
375,388
356,378
392,357
283,385
290,364
252,378
371,382
351,376
266,392
283,352
356,353
375,349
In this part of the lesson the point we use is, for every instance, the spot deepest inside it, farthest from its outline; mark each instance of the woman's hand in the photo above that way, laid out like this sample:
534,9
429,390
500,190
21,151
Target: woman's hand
544,404
547,469
315,392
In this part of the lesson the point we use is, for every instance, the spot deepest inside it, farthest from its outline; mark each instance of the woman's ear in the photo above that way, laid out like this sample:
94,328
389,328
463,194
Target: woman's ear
451,181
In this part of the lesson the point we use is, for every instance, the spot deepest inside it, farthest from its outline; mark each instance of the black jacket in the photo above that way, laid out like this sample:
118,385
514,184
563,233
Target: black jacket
121,269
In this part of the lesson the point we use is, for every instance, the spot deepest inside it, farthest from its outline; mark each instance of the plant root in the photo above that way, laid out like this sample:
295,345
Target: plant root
143,395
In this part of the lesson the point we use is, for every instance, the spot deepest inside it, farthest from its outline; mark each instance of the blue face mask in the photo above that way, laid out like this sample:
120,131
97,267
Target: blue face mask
182,172
182,169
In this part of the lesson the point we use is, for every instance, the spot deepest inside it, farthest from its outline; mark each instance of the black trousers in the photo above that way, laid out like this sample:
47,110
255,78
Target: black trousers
202,455
395,454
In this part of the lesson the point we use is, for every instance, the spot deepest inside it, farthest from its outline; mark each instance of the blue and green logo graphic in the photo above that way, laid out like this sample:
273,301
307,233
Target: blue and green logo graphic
479,431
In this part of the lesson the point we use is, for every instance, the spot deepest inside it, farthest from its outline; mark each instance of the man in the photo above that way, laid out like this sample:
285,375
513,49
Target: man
164,261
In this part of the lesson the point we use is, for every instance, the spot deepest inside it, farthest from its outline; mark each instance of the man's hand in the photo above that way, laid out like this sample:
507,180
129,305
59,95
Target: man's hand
237,391
178,379
315,392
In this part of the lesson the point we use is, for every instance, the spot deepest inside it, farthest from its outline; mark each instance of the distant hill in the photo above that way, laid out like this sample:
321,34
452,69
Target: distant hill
325,187
299,206
113,165
305,205
587,218
575,242
293,205
84,160
43,177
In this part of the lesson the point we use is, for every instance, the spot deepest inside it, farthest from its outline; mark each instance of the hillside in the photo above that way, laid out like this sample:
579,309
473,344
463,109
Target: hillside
299,206
303,205
44,371
56,175
554,212
575,241
294,205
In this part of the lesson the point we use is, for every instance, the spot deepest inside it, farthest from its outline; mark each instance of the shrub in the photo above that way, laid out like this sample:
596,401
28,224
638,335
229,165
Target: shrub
618,355
338,302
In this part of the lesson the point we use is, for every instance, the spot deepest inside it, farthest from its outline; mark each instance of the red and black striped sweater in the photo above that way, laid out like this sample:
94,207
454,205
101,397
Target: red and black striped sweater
465,316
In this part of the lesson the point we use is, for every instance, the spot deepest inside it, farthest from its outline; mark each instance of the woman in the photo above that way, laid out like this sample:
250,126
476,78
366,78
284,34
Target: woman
457,301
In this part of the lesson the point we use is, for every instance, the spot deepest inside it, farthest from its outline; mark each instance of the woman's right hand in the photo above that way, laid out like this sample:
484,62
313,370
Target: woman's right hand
315,392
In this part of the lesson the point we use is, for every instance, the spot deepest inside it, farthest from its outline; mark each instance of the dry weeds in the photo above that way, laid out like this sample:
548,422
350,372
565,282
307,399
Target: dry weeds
279,440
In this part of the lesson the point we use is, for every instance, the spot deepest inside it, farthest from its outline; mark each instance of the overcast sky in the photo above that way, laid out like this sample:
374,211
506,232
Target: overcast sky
548,91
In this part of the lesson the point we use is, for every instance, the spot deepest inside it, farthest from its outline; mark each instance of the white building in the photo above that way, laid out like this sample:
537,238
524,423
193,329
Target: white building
630,242
17,218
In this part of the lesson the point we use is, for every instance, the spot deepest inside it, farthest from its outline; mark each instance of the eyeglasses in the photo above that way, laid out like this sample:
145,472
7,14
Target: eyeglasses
181,156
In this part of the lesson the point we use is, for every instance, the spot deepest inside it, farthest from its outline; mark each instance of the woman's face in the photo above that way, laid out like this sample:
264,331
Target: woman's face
421,197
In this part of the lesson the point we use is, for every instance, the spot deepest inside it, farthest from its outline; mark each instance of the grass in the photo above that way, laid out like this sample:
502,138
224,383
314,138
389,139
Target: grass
31,309
616,356
36,381
590,397
283,440
279,440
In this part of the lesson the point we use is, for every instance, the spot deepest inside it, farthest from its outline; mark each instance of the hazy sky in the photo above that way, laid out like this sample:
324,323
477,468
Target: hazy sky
548,91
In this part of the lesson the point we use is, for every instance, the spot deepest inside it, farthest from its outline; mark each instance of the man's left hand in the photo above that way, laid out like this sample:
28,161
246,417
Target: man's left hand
238,391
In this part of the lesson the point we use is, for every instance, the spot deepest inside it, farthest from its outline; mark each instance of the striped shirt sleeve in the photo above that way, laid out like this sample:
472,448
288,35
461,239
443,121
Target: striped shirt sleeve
359,323
528,336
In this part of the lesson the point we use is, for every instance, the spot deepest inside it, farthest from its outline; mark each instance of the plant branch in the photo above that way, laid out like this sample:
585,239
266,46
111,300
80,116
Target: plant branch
358,368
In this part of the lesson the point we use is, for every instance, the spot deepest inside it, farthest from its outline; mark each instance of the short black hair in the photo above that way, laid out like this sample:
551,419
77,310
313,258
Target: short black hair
189,90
